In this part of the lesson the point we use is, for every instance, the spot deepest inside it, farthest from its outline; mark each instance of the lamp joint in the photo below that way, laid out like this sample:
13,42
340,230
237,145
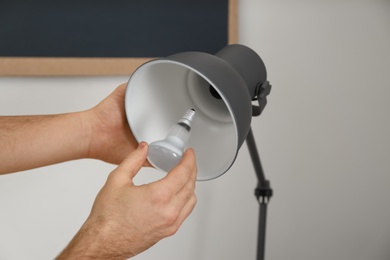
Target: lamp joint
262,91
263,192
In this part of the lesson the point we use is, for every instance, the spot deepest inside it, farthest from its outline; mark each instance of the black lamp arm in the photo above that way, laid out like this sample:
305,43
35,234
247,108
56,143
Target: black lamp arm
263,191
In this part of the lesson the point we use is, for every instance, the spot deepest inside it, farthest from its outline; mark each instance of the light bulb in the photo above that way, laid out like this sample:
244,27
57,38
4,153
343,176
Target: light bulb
166,154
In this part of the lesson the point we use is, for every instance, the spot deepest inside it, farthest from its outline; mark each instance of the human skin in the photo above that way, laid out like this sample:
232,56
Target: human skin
125,219
100,133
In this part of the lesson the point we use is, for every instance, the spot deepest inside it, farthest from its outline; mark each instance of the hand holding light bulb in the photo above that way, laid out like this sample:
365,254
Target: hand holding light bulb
166,154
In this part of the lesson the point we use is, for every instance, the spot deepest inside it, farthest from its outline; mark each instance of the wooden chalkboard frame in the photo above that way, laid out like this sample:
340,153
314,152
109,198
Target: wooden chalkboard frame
43,66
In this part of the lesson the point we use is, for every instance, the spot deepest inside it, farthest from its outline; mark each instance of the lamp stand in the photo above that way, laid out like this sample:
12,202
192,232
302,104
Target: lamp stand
263,193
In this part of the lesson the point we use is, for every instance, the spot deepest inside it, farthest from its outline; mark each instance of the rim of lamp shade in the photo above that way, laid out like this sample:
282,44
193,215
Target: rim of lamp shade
159,91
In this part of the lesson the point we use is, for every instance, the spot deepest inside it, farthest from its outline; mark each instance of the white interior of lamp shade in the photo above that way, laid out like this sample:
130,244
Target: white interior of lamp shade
157,96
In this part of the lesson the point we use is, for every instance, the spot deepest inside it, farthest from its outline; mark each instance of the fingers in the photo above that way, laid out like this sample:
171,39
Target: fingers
182,173
179,184
175,193
185,198
121,89
179,187
130,166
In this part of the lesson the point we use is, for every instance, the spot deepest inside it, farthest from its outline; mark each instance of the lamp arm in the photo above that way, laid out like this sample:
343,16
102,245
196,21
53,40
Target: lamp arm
263,193
263,190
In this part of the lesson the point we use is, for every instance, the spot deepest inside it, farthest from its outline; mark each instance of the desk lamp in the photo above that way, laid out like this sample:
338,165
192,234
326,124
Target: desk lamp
215,94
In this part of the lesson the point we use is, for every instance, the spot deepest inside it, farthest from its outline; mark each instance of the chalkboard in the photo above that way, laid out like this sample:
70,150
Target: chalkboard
100,37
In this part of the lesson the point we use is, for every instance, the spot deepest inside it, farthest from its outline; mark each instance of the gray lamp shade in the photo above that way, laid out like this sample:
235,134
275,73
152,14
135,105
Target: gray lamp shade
219,87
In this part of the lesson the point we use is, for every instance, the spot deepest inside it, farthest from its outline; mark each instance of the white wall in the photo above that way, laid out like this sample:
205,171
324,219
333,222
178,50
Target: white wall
323,140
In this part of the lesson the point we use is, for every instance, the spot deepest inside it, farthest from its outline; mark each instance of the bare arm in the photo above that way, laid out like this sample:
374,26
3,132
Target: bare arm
101,132
125,219
32,141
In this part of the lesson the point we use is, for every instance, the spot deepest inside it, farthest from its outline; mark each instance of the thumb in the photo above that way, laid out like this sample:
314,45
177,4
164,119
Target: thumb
130,166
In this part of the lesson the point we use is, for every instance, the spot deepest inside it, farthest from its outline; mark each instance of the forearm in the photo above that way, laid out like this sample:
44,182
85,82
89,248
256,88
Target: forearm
91,242
33,141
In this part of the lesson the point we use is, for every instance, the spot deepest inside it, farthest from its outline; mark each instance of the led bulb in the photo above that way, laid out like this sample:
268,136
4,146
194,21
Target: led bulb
166,154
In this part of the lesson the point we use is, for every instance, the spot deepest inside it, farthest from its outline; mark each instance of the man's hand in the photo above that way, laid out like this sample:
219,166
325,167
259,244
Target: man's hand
111,139
127,219
101,133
